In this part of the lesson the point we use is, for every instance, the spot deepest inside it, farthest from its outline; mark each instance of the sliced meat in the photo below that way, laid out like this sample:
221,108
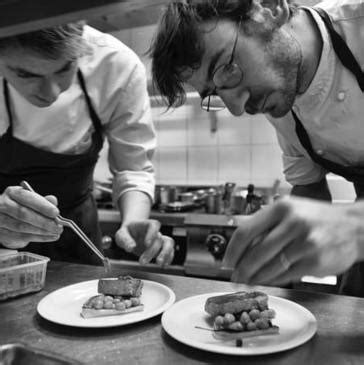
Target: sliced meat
123,285
236,303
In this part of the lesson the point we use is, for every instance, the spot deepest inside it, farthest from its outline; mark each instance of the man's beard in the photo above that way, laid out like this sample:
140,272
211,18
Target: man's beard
286,62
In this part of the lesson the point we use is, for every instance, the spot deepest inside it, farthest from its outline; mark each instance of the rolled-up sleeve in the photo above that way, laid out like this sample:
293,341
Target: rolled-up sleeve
131,134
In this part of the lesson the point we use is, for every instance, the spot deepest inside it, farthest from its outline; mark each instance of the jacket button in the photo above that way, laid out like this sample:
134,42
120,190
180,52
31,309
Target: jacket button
341,96
320,152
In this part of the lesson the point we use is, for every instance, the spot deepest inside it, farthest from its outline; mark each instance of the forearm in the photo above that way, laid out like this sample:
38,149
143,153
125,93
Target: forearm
318,191
134,205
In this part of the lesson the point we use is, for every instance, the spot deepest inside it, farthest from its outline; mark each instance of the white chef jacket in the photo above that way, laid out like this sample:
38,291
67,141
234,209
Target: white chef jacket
332,108
115,80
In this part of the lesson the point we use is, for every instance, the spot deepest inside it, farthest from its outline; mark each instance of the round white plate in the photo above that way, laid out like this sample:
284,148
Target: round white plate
64,305
296,326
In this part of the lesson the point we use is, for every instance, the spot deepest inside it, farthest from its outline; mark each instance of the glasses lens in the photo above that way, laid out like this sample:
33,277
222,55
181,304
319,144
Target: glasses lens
228,76
212,103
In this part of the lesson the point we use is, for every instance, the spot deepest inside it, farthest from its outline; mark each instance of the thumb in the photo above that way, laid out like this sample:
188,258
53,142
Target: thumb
250,229
124,239
52,199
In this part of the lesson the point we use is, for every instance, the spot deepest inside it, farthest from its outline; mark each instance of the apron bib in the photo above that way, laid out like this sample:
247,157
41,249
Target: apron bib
68,177
352,282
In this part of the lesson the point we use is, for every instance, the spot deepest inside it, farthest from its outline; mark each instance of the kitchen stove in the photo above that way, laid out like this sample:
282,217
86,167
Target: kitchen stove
201,238
207,239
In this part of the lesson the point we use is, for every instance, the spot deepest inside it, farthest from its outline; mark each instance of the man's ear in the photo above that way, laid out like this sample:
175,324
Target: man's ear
272,13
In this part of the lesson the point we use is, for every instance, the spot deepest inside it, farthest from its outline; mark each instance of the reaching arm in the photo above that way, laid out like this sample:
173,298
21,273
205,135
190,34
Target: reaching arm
132,142
296,237
139,234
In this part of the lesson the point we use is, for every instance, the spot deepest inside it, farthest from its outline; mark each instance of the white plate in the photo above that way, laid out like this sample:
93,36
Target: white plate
296,326
64,305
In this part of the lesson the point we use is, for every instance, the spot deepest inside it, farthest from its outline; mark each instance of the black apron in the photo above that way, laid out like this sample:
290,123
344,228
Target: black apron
68,177
352,282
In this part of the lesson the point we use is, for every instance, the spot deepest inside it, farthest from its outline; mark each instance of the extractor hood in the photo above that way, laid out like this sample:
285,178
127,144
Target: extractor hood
20,16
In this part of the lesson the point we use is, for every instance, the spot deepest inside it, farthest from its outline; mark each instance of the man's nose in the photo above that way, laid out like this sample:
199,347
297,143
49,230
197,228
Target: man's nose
50,89
234,100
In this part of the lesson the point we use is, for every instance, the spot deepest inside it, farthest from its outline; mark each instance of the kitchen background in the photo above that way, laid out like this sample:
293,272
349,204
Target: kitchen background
199,148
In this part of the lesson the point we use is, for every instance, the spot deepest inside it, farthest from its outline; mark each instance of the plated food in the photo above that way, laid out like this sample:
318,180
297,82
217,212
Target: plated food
188,322
117,296
240,315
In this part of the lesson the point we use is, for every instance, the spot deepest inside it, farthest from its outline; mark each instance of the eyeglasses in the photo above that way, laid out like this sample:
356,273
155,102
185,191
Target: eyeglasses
226,76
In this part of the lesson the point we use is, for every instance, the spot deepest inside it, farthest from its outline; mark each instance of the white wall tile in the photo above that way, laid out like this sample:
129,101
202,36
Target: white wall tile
234,164
199,133
173,165
171,127
141,39
232,130
202,167
171,134
266,164
243,150
125,36
160,113
262,131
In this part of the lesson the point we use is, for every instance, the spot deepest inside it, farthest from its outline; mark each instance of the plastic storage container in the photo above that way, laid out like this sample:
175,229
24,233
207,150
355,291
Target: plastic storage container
20,273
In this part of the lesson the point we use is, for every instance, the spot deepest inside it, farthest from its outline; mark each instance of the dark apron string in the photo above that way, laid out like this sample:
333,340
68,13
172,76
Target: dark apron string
69,177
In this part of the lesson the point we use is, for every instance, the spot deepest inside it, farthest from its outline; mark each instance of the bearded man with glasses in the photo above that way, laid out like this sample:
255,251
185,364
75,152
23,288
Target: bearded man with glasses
301,67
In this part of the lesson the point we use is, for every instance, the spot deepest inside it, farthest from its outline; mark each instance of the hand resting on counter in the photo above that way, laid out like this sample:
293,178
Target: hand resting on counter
296,237
27,217
143,238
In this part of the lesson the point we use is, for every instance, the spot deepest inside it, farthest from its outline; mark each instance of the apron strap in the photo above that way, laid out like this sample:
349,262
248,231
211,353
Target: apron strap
352,173
94,117
342,50
7,105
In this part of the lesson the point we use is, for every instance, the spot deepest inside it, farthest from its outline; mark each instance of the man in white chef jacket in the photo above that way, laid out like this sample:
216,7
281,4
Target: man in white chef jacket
62,91
303,68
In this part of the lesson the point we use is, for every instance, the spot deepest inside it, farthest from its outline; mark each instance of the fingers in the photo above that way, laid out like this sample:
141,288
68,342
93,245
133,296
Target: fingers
281,264
16,240
242,273
24,206
151,251
166,254
22,220
250,228
152,232
145,240
33,201
124,240
296,272
14,225
162,249
52,199
263,256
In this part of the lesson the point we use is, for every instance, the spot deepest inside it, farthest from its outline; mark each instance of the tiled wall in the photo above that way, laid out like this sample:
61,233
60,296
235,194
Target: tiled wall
190,153
242,150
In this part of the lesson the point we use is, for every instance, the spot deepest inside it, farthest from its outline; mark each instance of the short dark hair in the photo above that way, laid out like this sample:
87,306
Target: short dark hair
177,45
51,43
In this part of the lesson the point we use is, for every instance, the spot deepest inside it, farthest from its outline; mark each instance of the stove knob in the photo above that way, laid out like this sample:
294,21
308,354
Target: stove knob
216,244
106,242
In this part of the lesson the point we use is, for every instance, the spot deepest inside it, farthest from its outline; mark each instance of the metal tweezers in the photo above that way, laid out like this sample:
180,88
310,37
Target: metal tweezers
71,224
